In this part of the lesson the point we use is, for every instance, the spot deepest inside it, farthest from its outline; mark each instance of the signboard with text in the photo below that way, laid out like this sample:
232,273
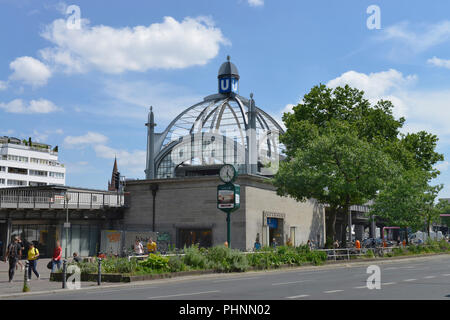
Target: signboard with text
228,197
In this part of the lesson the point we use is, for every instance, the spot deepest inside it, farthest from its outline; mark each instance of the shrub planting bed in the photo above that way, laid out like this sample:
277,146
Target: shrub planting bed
221,259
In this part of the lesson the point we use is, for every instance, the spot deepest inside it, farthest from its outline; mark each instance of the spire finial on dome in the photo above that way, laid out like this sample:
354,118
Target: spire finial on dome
228,58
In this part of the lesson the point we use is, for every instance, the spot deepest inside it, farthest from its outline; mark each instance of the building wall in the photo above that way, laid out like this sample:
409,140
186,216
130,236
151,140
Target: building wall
183,204
191,203
307,218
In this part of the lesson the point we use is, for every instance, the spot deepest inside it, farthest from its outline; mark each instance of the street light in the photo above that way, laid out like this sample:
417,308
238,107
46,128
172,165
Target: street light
67,224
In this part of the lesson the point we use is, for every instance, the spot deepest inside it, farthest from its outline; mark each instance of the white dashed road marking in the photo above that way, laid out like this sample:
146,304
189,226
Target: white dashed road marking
408,280
183,294
429,277
300,296
333,291
292,282
387,283
236,279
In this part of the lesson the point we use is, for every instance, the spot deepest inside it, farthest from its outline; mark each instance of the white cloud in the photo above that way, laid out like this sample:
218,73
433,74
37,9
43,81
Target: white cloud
167,45
35,106
133,99
387,85
439,62
30,70
88,138
422,38
255,3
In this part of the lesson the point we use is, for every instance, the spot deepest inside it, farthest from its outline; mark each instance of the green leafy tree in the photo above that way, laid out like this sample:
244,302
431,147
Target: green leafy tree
373,128
407,200
336,168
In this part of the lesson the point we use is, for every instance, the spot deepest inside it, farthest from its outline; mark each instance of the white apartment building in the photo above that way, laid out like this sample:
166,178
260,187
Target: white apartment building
25,165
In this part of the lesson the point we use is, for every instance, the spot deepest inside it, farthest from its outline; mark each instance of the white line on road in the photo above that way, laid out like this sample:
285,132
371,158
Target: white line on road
119,290
300,296
235,279
429,277
292,282
184,294
333,291
362,287
446,274
387,283
408,280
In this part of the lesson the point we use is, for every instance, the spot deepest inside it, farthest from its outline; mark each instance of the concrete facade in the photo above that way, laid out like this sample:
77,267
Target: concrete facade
190,203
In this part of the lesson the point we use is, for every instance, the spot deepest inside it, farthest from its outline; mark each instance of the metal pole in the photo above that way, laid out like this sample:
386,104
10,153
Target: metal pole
228,230
67,228
349,225
99,277
64,274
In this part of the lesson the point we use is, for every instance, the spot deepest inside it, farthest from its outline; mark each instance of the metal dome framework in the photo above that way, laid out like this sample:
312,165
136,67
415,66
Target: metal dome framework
223,128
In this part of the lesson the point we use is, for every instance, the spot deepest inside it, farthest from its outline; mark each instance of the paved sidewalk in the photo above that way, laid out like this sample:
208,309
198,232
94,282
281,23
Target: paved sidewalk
43,284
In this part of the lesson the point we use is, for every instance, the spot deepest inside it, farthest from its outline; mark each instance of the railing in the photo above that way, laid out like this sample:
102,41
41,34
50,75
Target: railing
41,199
348,253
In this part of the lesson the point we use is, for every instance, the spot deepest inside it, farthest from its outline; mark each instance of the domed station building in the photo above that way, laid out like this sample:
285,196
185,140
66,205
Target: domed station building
179,195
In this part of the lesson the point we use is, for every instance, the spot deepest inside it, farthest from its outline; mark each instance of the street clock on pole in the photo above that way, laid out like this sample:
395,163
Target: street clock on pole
227,173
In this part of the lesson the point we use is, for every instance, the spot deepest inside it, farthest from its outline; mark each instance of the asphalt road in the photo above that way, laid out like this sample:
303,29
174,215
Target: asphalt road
417,278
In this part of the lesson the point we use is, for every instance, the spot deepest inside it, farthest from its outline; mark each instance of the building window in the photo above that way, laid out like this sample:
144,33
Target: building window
37,184
38,173
2,169
56,175
2,181
11,157
39,161
17,170
12,182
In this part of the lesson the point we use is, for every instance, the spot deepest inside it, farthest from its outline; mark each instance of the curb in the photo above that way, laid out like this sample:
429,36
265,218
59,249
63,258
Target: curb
181,277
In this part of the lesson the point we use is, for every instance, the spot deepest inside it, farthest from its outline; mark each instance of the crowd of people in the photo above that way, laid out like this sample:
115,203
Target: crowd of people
139,247
16,249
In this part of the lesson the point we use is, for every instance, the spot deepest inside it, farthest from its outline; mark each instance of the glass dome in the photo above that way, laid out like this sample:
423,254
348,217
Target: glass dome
223,128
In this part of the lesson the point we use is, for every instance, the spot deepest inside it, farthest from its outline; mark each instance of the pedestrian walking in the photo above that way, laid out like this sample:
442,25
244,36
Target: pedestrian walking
138,248
151,246
274,243
12,255
310,246
57,254
336,244
33,255
21,249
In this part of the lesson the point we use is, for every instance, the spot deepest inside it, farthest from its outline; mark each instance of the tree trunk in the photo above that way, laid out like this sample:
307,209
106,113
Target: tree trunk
331,227
406,235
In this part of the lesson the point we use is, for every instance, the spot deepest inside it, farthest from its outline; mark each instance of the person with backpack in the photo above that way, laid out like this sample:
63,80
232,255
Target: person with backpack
33,255
12,255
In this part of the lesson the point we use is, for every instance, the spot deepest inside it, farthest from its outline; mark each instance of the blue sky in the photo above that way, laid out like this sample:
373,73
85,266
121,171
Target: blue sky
88,90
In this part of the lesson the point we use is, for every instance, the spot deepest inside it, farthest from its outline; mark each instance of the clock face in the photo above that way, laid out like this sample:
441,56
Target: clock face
227,173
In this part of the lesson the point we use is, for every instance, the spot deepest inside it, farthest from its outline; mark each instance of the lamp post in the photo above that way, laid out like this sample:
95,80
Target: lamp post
67,224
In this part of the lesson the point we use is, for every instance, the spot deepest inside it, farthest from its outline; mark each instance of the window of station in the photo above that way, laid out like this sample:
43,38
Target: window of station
36,234
17,170
190,237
